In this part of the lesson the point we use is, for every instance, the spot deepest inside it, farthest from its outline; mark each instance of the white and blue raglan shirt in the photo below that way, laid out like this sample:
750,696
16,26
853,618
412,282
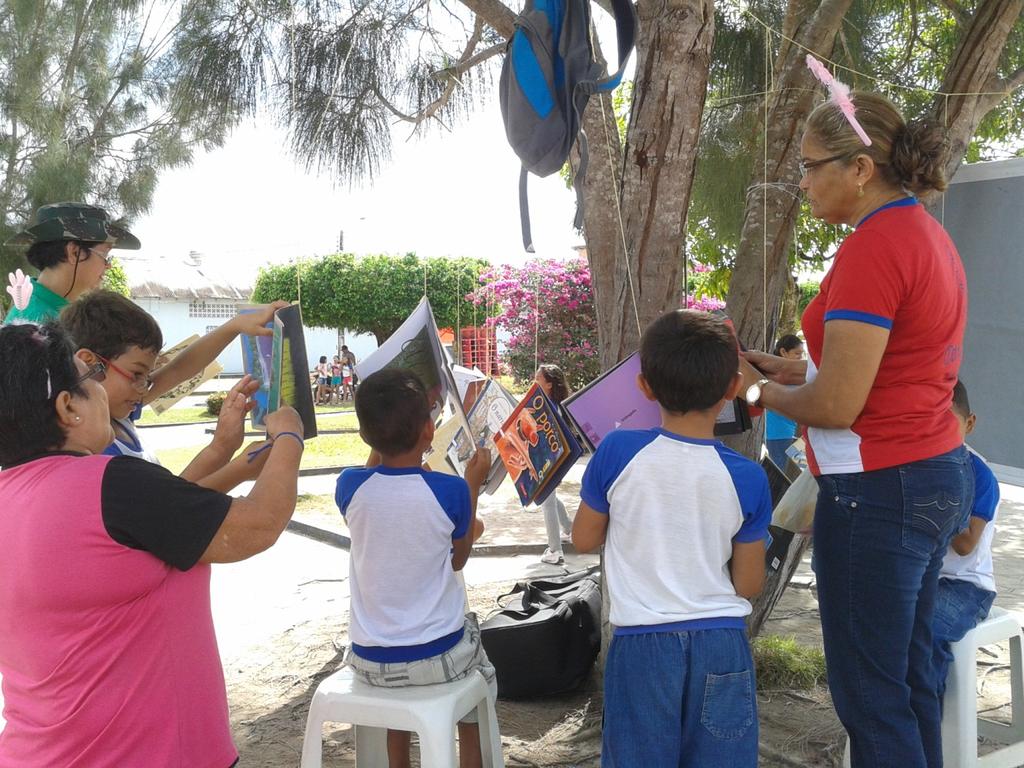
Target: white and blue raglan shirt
976,567
406,602
129,443
675,506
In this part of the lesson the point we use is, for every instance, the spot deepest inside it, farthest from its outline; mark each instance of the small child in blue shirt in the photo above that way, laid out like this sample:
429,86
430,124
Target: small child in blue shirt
967,583
411,530
684,521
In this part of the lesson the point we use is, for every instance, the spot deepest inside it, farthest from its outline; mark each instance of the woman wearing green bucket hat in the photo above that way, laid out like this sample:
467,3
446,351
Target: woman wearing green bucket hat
70,245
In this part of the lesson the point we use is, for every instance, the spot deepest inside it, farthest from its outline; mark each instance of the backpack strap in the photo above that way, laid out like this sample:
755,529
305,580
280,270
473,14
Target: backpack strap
524,212
625,33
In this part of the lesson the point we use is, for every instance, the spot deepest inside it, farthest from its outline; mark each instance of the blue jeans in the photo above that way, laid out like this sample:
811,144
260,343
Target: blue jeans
959,606
680,699
777,451
879,540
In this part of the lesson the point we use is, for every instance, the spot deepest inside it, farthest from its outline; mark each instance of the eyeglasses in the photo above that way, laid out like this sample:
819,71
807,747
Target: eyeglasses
108,257
806,165
96,371
141,382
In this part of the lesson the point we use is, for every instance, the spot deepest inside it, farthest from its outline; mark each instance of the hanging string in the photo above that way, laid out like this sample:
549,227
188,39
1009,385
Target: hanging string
850,71
945,125
618,211
458,313
536,325
764,196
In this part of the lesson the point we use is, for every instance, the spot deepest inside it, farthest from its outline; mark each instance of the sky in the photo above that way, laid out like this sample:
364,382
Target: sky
449,193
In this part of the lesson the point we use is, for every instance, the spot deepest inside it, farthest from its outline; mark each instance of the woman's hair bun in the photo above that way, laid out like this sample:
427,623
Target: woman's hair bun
920,151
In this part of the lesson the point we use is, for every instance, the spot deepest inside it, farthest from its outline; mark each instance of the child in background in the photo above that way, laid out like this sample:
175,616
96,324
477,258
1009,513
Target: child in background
323,381
967,584
411,529
336,389
556,520
780,432
347,392
684,521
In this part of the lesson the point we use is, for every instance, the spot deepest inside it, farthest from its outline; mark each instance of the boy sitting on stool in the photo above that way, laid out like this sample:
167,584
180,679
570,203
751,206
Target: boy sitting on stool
411,530
685,520
967,586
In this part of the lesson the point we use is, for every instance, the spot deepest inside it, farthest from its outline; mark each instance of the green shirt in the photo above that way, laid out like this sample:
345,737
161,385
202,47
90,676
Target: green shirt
43,305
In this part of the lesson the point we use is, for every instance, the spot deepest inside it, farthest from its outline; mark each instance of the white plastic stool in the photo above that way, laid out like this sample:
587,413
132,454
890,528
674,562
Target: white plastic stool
961,724
430,710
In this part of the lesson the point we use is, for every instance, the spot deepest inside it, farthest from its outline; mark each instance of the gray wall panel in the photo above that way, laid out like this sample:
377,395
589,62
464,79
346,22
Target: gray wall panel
984,214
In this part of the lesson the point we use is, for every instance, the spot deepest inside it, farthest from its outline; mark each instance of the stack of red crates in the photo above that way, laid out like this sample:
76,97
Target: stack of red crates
479,349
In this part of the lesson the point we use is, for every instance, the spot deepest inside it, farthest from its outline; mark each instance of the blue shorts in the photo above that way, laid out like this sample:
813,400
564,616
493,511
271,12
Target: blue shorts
684,699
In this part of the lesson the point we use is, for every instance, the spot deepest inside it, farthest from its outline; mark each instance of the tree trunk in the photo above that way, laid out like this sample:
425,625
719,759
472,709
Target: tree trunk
636,260
974,70
775,583
773,196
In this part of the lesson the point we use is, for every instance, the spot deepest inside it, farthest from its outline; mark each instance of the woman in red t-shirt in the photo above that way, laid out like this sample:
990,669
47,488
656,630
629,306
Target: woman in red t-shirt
884,341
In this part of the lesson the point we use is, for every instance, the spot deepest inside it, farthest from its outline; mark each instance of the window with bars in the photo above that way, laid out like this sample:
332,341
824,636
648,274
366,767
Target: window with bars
206,309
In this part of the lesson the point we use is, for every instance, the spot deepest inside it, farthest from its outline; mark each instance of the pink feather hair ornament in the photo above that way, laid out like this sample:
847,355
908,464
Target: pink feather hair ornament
20,288
840,95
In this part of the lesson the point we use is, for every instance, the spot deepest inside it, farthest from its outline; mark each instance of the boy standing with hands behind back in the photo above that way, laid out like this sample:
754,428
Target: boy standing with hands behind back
411,530
683,520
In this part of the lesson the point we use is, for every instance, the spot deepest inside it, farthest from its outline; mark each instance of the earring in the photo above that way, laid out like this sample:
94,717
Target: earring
860,190
78,418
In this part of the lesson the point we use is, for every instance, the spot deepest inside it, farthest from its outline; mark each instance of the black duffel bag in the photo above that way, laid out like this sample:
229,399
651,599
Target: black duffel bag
546,637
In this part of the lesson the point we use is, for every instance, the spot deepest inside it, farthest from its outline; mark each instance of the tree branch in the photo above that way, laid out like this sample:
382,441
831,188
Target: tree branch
495,13
466,61
1000,89
958,11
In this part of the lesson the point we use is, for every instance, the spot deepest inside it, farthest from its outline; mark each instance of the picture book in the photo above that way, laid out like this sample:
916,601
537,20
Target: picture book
437,455
415,345
186,387
536,446
491,409
614,401
279,363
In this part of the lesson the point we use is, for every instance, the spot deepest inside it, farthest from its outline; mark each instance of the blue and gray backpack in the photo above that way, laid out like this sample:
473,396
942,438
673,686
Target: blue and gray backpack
547,79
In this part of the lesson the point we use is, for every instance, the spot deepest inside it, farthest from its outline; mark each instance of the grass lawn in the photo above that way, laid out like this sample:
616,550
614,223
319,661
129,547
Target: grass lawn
322,451
188,415
321,511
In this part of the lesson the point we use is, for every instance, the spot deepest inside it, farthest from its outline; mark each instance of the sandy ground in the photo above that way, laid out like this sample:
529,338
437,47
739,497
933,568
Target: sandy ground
271,683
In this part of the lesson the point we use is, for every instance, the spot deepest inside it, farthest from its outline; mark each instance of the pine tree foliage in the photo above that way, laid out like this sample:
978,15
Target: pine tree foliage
338,74
91,107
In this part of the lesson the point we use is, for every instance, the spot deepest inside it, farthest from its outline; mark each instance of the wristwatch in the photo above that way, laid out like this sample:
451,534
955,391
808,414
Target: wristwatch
754,391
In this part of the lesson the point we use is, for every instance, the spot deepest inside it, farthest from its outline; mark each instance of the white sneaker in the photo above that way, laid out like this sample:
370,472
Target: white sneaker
550,556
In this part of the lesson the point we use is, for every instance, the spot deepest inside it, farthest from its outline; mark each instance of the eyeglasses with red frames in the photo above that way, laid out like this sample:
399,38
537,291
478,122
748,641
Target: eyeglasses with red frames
141,382
96,371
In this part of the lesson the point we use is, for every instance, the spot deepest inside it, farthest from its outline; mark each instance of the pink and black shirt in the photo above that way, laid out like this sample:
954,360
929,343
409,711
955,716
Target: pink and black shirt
107,646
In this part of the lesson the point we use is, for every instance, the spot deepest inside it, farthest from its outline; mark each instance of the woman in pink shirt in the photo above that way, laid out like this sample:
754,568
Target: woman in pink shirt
107,647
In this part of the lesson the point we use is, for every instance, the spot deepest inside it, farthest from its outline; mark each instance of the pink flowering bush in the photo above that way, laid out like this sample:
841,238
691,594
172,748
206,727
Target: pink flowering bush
704,303
545,309
700,288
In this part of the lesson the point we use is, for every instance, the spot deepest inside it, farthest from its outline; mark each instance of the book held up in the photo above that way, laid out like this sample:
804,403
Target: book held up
536,446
